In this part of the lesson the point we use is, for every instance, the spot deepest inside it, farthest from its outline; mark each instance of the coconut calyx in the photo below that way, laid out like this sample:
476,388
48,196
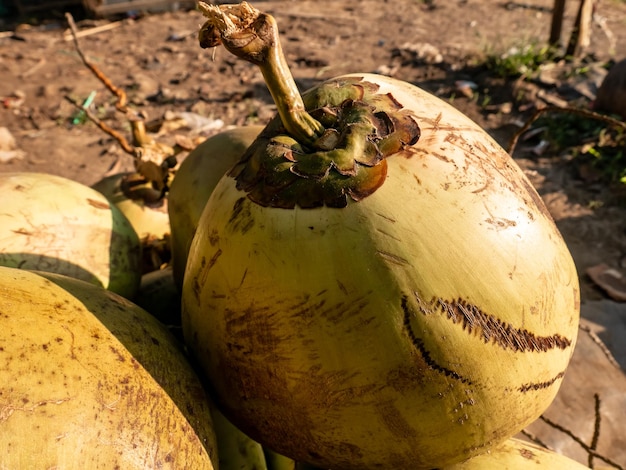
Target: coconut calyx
346,162
321,150
154,161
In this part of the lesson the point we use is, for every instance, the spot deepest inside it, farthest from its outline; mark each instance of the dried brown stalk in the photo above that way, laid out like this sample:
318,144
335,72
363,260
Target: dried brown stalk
534,438
581,33
96,30
152,160
566,110
557,22
596,428
129,149
253,36
592,452
605,350
121,95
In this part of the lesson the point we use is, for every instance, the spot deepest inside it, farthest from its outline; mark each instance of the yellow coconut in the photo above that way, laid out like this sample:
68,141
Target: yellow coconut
376,284
50,223
89,380
142,205
515,454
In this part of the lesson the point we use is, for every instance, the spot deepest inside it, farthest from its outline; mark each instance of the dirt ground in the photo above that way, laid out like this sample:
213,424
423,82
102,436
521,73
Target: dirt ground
438,45
156,59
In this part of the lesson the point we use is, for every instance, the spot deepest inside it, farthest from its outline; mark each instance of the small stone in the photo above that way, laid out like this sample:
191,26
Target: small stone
7,141
611,96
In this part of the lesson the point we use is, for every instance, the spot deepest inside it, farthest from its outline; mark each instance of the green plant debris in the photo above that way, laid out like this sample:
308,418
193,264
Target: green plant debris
591,143
520,61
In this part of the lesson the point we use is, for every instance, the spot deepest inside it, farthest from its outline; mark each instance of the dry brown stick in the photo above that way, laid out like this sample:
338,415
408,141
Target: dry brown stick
596,428
88,32
568,110
121,95
581,34
34,68
129,149
536,439
139,132
580,442
605,350
557,22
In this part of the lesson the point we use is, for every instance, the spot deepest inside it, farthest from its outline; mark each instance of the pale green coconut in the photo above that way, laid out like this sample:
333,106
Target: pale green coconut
53,224
194,182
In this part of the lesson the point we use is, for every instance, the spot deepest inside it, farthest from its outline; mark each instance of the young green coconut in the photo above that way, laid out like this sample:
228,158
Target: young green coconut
376,284
194,182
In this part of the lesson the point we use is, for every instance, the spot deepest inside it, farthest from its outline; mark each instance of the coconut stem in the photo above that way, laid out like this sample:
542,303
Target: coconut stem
253,36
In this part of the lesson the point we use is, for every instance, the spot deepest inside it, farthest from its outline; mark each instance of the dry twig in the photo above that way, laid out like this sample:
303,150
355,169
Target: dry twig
592,452
129,149
152,160
581,34
34,68
567,110
605,350
596,428
121,95
88,32
557,22
534,438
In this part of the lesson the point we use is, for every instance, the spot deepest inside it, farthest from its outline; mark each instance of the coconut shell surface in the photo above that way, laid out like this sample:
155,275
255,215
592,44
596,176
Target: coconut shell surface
88,380
53,224
133,196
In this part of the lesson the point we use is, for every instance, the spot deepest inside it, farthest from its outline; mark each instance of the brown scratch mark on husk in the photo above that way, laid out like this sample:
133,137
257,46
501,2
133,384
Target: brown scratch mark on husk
200,279
492,329
389,235
421,347
241,218
395,421
98,204
536,199
527,454
395,259
533,386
